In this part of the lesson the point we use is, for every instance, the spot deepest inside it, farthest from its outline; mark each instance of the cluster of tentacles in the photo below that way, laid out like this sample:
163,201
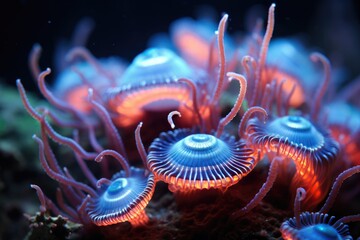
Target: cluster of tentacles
104,101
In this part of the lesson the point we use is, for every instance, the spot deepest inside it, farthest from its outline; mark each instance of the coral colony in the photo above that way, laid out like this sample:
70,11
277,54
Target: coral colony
283,127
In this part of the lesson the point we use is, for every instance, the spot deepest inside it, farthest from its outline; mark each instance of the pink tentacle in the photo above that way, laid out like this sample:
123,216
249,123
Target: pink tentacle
84,168
56,137
235,109
60,104
194,99
220,82
247,115
273,171
103,181
336,187
140,146
41,197
64,207
109,125
170,118
264,50
33,61
123,162
319,95
58,177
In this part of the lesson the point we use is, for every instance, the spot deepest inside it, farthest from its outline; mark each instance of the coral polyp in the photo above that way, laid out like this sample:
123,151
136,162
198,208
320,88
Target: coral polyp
319,225
150,84
311,148
123,199
188,160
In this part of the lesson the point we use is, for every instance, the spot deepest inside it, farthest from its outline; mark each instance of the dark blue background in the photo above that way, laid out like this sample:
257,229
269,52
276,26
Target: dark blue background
123,27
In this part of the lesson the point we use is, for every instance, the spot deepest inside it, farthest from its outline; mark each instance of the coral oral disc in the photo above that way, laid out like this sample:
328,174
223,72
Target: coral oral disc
297,130
123,200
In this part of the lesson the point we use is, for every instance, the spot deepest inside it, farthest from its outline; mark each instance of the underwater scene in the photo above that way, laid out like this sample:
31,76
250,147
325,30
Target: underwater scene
180,119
